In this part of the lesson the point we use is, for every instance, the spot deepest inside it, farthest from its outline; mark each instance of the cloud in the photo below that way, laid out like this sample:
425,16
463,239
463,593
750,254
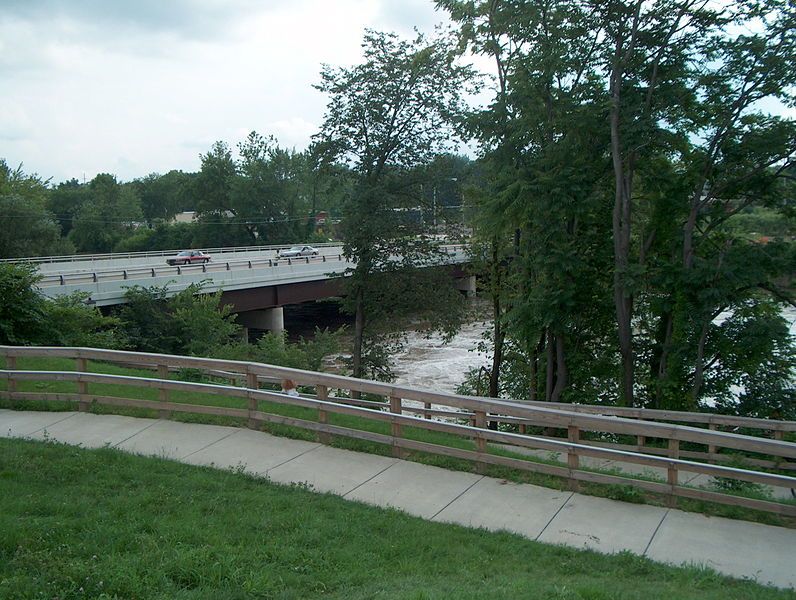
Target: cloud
188,18
140,86
407,15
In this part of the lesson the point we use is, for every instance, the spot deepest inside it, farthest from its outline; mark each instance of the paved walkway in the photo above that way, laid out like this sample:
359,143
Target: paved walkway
738,548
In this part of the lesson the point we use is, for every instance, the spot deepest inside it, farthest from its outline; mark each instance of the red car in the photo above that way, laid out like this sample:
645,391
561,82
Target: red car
189,257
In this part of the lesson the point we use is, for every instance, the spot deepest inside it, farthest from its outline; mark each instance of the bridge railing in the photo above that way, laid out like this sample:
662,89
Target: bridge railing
214,266
166,270
405,411
67,258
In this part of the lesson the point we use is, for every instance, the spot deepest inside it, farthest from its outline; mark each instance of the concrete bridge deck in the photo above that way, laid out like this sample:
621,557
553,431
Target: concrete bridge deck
106,280
736,548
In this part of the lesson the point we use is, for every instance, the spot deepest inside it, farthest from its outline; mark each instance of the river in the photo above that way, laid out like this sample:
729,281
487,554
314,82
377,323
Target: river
426,362
432,364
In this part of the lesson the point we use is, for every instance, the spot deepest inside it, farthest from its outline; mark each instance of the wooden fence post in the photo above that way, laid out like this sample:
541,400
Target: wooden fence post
396,408
641,441
671,471
11,365
480,442
82,386
573,460
163,393
427,406
252,383
322,392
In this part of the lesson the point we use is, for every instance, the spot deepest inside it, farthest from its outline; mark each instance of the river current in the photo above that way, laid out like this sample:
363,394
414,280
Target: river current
428,362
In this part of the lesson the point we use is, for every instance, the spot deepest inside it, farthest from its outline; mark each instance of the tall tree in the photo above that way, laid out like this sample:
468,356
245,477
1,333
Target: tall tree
162,196
258,198
385,117
543,148
110,212
668,96
27,227
65,201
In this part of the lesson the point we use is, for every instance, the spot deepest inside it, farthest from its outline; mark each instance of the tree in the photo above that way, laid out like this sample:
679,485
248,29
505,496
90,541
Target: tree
678,85
65,201
27,228
189,322
540,217
259,198
22,311
27,317
386,117
73,322
162,196
111,212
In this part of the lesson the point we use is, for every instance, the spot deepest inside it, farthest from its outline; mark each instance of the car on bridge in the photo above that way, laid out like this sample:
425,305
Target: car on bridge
189,257
297,251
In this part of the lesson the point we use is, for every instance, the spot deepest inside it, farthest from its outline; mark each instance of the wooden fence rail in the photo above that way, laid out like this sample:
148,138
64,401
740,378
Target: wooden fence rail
466,417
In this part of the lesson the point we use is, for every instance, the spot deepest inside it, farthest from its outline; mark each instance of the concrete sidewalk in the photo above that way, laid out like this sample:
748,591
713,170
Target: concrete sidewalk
737,548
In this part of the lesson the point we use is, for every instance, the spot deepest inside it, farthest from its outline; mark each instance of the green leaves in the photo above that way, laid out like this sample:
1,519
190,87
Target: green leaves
186,323
386,118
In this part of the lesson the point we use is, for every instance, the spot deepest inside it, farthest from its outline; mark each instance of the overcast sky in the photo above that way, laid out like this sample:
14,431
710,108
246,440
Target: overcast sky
132,87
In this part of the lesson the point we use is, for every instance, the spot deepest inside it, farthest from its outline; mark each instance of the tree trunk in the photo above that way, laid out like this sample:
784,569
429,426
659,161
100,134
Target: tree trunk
623,300
700,365
551,365
497,357
359,334
659,365
562,374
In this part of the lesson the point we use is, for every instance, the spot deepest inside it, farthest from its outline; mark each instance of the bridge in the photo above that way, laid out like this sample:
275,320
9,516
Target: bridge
254,280
579,444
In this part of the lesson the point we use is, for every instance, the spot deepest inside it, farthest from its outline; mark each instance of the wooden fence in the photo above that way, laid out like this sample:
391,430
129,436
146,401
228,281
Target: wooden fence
661,446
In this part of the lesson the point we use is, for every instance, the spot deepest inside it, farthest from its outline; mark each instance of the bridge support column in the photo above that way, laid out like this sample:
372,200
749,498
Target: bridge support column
466,285
272,319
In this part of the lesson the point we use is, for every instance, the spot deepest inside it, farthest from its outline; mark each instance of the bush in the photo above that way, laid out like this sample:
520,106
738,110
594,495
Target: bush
274,349
187,323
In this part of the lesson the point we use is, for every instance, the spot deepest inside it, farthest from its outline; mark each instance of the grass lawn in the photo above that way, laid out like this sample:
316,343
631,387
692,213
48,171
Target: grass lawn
81,523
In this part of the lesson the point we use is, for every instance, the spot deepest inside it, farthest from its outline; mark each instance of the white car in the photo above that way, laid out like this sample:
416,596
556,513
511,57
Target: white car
297,251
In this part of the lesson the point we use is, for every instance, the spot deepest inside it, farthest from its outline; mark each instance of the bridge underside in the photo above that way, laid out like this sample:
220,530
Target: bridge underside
280,295
261,307
261,298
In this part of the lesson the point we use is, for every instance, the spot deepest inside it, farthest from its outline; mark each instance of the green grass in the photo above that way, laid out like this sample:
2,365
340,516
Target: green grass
81,523
626,493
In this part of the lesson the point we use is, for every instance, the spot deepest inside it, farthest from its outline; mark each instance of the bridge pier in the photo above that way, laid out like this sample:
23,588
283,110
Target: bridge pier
271,319
466,285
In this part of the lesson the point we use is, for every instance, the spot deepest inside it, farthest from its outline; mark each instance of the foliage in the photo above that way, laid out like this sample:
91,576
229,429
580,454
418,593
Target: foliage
386,117
760,222
754,330
163,196
23,314
72,322
259,198
65,201
110,212
274,349
28,318
188,322
623,145
27,227
175,236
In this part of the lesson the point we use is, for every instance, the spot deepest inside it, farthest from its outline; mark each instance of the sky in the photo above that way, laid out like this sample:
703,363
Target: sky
132,87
